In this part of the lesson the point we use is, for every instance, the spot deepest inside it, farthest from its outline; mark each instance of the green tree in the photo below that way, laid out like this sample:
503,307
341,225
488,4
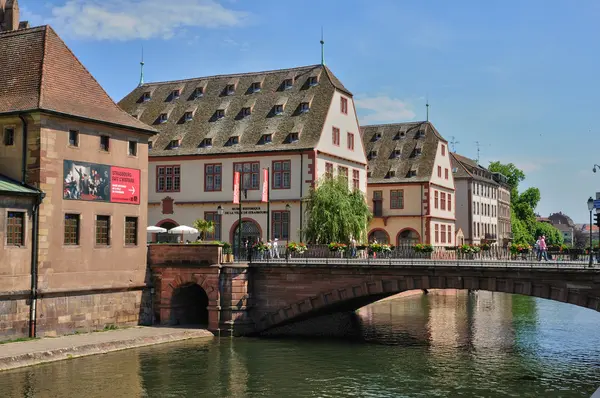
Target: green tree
512,173
521,234
204,227
335,213
531,197
553,235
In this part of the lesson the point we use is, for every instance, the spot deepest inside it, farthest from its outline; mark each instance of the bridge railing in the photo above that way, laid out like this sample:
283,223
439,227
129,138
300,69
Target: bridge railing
404,254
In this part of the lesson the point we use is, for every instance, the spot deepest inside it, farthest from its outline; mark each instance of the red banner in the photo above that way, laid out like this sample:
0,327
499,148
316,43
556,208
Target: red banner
124,185
265,188
236,187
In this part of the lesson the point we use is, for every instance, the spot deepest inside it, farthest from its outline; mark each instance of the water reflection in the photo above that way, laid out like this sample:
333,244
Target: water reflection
445,344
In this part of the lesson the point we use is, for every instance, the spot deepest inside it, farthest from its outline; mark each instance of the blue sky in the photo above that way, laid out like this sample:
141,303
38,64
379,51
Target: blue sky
519,77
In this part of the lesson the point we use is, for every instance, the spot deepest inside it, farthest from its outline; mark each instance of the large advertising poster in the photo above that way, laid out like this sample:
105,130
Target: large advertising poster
100,183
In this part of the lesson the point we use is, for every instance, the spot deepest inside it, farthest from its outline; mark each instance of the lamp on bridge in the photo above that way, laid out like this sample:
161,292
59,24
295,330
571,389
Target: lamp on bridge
287,240
596,167
590,204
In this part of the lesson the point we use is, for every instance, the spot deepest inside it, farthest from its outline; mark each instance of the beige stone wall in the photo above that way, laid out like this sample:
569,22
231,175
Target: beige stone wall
10,156
87,312
14,318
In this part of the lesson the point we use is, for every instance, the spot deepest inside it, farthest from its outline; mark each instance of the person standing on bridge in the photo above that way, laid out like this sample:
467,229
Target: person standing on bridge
542,249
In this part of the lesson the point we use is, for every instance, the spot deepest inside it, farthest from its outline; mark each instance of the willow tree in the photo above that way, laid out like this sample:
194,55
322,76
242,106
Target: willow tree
335,213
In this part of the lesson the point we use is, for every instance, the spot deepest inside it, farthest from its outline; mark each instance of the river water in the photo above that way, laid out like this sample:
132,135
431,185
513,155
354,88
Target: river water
445,344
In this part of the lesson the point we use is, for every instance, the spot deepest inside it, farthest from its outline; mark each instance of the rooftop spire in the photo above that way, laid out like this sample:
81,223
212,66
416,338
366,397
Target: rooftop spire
142,68
322,48
427,106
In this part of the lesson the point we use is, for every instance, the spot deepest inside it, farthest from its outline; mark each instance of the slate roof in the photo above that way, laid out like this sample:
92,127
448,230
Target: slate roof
8,186
39,72
402,137
463,167
250,129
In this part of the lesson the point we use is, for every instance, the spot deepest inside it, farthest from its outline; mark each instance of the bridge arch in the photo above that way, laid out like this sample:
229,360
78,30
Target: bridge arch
355,296
189,305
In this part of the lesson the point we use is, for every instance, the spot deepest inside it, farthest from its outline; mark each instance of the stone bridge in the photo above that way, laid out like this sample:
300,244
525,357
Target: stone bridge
244,299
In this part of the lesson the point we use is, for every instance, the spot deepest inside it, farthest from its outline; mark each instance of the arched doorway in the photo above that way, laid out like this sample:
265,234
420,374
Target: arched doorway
408,237
166,237
251,233
380,235
189,306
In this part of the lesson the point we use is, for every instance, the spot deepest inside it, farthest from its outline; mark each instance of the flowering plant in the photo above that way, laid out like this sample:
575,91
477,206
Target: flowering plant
260,246
423,248
335,246
469,249
294,247
519,248
485,246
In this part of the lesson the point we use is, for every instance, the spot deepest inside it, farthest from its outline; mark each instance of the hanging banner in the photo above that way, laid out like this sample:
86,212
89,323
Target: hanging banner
265,188
236,187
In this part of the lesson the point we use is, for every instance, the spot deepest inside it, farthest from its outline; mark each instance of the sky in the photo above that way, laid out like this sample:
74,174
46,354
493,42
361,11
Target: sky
514,81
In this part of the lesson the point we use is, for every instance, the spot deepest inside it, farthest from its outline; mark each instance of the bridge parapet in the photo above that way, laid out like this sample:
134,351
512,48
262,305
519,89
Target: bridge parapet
196,254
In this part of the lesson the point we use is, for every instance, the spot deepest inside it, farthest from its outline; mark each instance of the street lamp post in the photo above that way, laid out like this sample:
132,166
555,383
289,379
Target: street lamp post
590,204
287,240
596,167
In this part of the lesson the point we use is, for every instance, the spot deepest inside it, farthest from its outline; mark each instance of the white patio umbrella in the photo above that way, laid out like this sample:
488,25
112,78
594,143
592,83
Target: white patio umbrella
154,230
183,229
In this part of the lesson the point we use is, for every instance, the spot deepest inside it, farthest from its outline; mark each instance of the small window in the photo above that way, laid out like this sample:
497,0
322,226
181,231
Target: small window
418,151
443,150
146,96
132,148
71,229
396,153
103,230
376,137
255,88
149,145
206,143
131,231
247,111
344,105
372,154
287,84
163,118
293,137
350,141
220,114
267,138
368,174
15,228
188,116
304,107
278,109
174,94
399,135
73,137
412,173
9,136
233,141
198,92
230,89
173,144
313,81
421,134
390,174
104,143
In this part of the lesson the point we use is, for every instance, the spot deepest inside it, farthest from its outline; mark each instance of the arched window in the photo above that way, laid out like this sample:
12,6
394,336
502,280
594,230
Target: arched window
408,237
379,235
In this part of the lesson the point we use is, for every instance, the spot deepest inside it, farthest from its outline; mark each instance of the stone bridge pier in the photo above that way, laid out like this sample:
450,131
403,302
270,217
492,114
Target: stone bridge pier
242,299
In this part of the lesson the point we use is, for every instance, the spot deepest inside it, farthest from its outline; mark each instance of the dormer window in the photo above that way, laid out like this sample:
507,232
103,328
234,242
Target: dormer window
412,173
368,174
267,138
278,109
400,135
418,151
313,81
233,141
372,154
304,107
146,96
247,111
421,134
455,169
230,89
376,137
149,145
255,88
287,84
135,116
188,116
198,92
206,143
175,94
390,174
396,153
173,144
220,114
163,118
293,137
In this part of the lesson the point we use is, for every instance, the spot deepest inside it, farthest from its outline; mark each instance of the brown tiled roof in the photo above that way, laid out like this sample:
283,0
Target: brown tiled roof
404,138
463,167
249,129
39,72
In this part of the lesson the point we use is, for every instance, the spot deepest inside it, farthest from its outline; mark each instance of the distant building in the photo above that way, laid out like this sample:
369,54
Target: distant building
73,193
479,202
297,124
565,225
410,184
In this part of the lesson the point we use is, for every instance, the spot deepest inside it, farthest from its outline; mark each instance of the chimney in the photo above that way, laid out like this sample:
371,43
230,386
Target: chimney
9,16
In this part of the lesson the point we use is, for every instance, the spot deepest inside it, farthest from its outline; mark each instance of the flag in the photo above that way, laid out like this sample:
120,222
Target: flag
236,187
265,188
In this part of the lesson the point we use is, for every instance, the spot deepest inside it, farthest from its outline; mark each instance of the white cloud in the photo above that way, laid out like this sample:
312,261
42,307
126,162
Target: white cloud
382,109
140,19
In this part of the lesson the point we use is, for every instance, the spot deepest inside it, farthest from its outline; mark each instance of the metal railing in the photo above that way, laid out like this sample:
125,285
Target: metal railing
495,256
